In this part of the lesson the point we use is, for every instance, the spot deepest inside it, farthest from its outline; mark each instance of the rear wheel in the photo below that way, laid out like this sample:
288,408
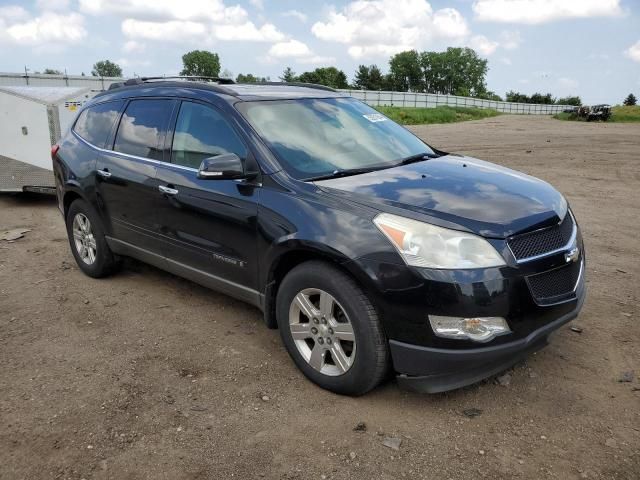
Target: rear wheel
88,244
331,329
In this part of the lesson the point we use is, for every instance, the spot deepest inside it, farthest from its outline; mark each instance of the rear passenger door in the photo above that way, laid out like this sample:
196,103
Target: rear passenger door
126,187
209,226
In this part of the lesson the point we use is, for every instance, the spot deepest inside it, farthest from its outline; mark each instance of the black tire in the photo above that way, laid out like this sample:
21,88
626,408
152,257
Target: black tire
106,262
371,361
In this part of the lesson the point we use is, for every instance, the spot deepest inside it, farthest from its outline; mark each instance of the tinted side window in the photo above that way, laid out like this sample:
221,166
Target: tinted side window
201,132
94,123
142,128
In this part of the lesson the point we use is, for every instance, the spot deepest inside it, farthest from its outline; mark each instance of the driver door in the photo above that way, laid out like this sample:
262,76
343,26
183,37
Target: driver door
208,226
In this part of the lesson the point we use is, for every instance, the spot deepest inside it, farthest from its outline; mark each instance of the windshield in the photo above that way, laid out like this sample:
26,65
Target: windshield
313,137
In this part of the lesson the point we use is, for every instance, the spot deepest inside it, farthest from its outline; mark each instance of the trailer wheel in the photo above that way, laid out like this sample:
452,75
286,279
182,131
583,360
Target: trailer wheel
88,244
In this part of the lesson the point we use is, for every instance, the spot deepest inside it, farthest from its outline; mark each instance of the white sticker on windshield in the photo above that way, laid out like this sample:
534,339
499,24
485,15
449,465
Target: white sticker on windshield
375,117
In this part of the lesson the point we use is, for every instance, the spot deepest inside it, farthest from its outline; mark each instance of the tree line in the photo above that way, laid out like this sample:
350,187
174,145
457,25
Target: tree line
455,71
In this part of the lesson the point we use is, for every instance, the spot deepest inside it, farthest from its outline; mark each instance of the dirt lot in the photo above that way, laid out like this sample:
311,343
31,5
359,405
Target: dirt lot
145,375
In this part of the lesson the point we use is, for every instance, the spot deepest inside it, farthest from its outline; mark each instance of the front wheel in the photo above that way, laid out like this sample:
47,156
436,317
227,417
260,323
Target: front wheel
331,330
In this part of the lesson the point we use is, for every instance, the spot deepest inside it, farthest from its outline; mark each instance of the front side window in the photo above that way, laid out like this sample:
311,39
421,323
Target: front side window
95,123
142,128
313,137
200,133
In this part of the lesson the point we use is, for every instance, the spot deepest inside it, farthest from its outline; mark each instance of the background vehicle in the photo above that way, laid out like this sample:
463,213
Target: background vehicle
33,119
595,112
364,245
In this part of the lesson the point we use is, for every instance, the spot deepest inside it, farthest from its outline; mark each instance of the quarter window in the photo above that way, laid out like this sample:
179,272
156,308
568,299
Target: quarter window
142,128
95,123
201,132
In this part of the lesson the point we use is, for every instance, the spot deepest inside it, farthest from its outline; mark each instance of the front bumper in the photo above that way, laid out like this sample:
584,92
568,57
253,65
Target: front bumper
433,370
523,294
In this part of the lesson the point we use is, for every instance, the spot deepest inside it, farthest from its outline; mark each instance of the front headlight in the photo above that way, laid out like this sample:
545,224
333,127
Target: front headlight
425,245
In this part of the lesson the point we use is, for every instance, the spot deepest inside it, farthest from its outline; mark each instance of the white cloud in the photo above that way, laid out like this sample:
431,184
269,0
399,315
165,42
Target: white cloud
290,49
177,30
296,50
386,27
483,45
633,52
259,4
193,20
449,23
51,30
52,4
166,10
248,32
13,13
295,14
132,46
506,60
541,11
510,39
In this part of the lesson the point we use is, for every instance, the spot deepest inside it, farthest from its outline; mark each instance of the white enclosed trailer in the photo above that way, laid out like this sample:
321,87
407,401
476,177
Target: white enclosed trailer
32,119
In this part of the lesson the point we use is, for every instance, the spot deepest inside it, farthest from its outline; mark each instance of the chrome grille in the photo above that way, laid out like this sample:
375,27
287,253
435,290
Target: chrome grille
542,241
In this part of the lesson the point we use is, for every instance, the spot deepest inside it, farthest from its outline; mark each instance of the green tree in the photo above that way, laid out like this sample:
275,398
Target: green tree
630,100
51,71
250,78
489,95
545,99
106,68
329,76
516,97
575,101
200,63
539,98
405,72
369,78
361,79
376,78
456,71
288,75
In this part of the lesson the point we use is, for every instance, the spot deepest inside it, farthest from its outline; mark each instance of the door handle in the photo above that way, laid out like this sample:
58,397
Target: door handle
105,173
167,190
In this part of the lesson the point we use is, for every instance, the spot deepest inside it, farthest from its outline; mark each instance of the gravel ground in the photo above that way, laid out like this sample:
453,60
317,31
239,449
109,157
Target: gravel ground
146,375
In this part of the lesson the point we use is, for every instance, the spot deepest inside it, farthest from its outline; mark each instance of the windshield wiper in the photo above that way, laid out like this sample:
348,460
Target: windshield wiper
419,157
343,173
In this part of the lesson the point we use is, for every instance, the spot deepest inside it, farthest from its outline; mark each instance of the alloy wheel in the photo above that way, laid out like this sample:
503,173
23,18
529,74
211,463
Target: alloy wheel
322,332
83,238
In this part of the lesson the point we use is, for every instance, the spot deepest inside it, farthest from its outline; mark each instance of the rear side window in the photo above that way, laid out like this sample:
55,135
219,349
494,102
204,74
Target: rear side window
95,123
142,128
201,132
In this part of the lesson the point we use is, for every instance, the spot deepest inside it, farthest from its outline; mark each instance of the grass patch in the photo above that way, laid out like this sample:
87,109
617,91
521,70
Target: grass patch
618,114
443,114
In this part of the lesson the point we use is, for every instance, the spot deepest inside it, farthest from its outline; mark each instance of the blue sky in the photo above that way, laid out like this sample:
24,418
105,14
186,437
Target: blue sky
586,47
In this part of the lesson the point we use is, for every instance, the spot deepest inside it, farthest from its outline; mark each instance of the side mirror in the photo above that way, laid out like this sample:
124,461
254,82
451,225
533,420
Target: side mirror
222,167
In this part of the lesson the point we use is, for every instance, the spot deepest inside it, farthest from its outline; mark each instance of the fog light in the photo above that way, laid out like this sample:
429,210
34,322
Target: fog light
478,329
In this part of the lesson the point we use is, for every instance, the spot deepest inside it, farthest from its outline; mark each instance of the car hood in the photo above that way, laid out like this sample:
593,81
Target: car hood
478,196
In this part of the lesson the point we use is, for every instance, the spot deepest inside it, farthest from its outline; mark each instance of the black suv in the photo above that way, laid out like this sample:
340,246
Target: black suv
365,246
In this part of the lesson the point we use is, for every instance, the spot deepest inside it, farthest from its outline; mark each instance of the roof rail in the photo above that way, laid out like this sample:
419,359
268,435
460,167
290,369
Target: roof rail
219,80
299,84
216,81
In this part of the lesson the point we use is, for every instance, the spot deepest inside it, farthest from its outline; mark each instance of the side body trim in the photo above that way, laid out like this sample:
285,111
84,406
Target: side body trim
205,279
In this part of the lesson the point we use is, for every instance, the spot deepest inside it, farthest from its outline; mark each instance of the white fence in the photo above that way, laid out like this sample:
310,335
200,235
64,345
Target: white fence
42,80
371,97
432,100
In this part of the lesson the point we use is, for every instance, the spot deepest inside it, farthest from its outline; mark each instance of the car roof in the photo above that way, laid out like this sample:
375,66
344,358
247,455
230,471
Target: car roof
256,91
237,91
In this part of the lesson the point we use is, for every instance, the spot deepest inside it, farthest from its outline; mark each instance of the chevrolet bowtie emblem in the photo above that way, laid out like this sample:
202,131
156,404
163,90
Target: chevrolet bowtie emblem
572,255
